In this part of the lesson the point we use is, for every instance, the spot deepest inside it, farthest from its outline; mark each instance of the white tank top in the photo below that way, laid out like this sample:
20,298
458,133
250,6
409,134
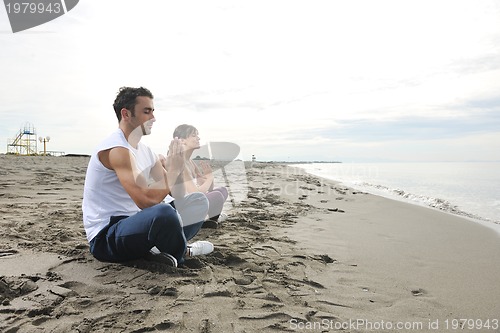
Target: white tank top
103,194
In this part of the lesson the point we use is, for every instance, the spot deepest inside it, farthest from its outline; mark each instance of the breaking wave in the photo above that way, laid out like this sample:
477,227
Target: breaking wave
437,203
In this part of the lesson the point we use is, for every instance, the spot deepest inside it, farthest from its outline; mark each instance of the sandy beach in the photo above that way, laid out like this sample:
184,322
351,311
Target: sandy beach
296,254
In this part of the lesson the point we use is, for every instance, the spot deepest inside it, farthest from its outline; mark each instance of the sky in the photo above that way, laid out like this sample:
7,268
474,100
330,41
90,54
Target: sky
350,81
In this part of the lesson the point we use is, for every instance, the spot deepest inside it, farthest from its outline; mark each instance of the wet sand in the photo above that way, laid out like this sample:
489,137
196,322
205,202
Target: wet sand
297,254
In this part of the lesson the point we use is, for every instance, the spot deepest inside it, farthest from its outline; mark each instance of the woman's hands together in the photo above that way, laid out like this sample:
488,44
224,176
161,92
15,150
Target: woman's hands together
206,175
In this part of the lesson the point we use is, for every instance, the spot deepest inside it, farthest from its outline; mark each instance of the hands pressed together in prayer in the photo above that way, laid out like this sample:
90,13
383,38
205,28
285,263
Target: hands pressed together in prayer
206,173
175,160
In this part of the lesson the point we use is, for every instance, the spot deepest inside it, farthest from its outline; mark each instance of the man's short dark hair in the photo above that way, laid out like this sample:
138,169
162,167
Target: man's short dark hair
126,98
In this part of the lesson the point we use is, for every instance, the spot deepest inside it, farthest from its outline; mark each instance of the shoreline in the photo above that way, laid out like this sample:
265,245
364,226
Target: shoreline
296,253
435,203
369,232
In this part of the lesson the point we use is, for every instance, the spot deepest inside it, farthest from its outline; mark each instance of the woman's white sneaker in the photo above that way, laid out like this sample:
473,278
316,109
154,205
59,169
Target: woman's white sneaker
199,248
222,217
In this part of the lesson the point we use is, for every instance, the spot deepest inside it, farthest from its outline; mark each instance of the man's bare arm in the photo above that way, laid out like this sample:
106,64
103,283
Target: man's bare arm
123,163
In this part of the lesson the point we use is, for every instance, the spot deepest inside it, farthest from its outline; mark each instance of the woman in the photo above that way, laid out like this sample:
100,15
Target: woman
201,180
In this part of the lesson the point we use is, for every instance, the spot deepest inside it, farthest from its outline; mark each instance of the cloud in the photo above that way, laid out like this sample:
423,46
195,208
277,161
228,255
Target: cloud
481,63
489,104
412,128
281,78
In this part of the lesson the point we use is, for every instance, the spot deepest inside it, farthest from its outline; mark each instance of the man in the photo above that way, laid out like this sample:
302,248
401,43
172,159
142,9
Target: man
124,215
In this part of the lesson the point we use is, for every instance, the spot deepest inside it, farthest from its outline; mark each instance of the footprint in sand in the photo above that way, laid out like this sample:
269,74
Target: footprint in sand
9,252
245,280
418,292
336,210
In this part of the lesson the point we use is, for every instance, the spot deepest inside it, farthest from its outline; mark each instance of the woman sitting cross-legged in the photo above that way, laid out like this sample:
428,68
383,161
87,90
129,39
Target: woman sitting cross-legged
200,178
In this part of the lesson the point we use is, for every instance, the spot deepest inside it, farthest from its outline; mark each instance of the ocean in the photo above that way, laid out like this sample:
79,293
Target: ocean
467,189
